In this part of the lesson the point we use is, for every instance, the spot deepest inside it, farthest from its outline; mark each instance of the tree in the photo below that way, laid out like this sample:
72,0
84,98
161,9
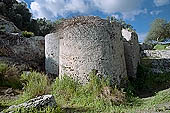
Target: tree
160,29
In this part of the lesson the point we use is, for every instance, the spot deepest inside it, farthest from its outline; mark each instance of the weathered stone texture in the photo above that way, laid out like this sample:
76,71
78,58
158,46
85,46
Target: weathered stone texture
52,54
39,102
7,26
87,43
21,49
132,52
163,54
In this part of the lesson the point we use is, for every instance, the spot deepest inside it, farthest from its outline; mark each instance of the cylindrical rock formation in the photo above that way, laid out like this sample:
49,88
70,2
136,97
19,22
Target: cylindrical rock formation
87,43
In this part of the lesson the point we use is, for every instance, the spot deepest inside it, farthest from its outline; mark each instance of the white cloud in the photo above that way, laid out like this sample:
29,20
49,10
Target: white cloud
155,12
142,36
161,2
131,14
54,8
110,6
20,0
116,16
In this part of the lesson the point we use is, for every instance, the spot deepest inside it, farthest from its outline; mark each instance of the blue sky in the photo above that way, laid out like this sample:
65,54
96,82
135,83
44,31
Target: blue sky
138,13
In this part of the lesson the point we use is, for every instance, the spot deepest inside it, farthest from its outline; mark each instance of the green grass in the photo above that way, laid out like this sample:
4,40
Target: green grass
35,84
96,96
160,47
9,76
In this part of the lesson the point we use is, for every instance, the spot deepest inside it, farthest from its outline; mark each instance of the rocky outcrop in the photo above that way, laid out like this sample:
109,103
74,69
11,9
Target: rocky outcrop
22,51
39,102
8,26
85,43
132,52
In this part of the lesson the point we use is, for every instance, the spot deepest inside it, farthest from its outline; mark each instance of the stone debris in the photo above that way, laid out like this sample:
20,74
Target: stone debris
38,102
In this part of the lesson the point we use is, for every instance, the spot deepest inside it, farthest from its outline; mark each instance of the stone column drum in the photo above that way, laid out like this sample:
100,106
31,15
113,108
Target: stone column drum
87,43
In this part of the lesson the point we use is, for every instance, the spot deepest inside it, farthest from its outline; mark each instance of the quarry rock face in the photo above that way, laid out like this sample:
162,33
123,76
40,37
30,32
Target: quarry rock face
131,51
8,26
86,44
21,50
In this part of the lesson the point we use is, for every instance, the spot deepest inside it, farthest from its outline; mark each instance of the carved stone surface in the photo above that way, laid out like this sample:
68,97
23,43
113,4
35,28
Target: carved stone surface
132,52
87,43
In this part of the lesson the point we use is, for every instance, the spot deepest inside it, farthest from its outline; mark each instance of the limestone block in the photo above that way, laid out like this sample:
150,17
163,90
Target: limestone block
131,51
52,54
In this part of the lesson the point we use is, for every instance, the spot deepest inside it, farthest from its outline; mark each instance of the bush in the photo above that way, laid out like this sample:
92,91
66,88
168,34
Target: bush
97,94
9,76
27,34
160,47
35,84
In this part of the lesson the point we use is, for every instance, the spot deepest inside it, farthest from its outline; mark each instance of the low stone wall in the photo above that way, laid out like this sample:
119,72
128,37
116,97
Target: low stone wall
158,60
159,54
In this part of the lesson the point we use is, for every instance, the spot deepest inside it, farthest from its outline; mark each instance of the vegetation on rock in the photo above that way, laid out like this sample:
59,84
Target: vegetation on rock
19,14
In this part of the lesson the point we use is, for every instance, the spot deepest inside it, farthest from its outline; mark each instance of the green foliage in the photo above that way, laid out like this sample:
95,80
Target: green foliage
9,76
160,29
122,23
16,12
160,47
35,84
97,94
34,110
19,14
2,28
27,34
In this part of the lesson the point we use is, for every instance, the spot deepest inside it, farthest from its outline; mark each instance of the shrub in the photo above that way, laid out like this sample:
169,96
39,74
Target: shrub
97,94
9,76
35,84
160,47
27,34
